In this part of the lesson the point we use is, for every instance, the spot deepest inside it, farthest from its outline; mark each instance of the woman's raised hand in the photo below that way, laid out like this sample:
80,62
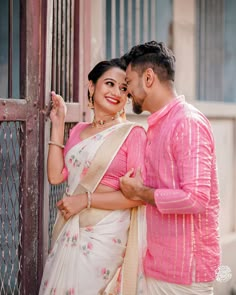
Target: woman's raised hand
59,109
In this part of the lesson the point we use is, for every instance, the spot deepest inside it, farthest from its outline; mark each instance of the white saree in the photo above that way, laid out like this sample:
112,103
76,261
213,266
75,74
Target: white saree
90,254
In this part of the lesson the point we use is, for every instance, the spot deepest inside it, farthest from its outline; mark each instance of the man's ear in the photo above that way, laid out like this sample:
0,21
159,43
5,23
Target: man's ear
91,88
149,77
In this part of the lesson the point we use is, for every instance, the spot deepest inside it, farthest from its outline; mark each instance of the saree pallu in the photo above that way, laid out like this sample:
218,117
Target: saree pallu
89,249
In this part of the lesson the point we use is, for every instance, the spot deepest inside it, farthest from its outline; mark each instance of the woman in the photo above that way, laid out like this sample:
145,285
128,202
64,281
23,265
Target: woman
91,231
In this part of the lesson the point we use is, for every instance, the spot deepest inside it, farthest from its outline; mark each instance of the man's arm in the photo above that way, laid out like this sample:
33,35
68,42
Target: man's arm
133,188
193,151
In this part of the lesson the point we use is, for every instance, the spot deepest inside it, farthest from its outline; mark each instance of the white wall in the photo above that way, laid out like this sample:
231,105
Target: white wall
184,46
98,37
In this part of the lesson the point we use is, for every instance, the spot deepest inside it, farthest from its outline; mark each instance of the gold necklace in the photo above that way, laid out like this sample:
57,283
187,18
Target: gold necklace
97,123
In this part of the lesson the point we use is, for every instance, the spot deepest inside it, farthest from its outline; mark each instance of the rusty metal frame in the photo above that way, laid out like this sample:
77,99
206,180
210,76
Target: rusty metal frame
30,65
10,44
26,110
44,100
35,86
8,109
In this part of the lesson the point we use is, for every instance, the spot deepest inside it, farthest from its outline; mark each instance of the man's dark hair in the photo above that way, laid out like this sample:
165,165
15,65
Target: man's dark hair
152,55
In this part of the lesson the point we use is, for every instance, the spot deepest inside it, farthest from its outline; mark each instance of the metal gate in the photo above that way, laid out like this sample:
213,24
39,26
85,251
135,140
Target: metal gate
19,155
48,60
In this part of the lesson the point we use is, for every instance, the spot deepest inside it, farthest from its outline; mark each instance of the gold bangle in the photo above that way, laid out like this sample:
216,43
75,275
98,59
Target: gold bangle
57,144
89,200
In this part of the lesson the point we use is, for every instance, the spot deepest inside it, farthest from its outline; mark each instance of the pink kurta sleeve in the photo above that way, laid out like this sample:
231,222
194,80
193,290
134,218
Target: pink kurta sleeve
193,150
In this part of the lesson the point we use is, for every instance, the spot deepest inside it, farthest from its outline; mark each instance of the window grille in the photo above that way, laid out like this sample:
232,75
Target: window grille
129,22
9,48
11,201
210,49
63,48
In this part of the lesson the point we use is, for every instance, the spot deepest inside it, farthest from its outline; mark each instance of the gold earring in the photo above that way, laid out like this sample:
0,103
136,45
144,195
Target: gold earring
122,113
90,103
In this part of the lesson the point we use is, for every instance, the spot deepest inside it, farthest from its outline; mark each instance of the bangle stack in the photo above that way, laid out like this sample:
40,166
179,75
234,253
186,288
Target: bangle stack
89,200
57,144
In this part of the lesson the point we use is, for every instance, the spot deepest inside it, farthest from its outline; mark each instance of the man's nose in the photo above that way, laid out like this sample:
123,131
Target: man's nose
129,95
130,98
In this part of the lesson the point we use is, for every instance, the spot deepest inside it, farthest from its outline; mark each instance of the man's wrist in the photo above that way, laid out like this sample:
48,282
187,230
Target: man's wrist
147,194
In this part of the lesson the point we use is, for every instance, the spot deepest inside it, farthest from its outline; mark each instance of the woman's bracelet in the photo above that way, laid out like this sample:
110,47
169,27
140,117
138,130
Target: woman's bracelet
89,199
57,144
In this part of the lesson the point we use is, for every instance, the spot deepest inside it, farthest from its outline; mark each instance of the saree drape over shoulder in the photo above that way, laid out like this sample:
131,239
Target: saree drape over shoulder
91,252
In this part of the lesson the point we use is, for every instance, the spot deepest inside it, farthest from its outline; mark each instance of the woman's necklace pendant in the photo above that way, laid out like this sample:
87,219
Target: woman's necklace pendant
96,123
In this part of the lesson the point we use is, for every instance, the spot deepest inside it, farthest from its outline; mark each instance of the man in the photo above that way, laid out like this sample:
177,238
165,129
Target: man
181,185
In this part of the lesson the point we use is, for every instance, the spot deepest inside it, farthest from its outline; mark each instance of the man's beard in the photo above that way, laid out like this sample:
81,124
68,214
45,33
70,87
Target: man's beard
137,108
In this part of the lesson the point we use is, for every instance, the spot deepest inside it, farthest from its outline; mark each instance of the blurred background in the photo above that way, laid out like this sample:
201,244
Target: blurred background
51,45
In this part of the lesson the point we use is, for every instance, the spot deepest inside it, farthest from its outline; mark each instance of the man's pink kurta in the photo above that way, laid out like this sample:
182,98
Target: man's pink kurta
183,238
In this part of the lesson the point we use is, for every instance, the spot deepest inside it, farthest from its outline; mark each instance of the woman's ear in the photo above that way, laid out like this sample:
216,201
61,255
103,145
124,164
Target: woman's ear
91,88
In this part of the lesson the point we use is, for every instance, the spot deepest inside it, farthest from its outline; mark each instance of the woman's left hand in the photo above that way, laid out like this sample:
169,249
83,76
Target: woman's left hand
72,205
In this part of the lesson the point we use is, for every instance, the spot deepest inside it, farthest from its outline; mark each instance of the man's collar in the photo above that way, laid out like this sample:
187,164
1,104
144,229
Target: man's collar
153,118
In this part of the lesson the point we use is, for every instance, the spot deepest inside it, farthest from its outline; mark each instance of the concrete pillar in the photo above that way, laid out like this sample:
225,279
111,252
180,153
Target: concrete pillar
184,47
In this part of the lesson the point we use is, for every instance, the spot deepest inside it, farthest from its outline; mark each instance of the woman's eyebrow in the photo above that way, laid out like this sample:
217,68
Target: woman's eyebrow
109,79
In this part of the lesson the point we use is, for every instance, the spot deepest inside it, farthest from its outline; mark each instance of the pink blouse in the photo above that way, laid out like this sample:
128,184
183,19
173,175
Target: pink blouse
130,155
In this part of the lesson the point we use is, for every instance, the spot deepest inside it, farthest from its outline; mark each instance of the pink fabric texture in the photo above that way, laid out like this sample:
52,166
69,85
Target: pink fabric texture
130,155
182,230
